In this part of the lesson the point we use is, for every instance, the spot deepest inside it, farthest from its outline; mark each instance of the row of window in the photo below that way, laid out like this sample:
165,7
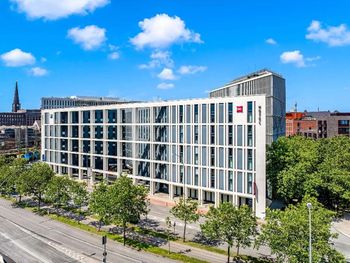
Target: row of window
213,112
190,134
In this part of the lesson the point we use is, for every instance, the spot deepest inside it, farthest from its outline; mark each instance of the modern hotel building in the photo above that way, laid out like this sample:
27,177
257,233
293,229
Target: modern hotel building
211,149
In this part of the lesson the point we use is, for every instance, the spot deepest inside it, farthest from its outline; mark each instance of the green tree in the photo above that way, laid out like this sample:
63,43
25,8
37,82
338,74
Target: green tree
230,224
185,210
79,194
36,180
291,166
57,191
19,168
129,202
100,204
334,173
287,233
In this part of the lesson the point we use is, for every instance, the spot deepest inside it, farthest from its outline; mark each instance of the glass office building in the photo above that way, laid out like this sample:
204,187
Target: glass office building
211,149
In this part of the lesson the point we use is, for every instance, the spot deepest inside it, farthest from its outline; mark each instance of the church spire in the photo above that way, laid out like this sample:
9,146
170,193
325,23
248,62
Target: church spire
16,105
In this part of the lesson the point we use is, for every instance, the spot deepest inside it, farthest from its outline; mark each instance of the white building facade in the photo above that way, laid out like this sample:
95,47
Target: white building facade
211,149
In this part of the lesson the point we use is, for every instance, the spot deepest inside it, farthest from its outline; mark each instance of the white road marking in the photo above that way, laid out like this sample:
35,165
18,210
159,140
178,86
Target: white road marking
24,248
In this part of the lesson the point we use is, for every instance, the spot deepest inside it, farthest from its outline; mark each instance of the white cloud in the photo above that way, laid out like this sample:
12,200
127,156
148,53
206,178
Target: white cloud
162,31
114,55
271,41
186,70
55,9
166,74
293,57
90,37
158,59
38,72
165,85
297,58
17,58
331,35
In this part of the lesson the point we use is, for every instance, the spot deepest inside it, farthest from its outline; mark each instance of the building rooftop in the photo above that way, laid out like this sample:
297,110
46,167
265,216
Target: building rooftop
87,98
259,73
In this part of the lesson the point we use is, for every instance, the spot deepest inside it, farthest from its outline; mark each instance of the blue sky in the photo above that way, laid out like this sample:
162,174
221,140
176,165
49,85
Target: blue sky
173,49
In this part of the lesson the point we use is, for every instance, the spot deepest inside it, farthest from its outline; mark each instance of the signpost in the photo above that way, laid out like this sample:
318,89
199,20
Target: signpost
104,243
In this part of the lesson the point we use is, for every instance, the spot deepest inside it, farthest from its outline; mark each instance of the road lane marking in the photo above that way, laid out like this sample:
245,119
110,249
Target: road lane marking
23,247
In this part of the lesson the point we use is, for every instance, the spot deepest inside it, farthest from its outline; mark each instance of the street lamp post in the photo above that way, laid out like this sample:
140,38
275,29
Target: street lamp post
309,206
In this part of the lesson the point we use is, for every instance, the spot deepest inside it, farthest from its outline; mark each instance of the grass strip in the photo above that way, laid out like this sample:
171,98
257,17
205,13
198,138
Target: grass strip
133,243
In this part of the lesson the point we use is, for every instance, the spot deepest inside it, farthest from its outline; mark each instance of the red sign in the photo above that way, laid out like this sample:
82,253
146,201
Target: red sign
239,109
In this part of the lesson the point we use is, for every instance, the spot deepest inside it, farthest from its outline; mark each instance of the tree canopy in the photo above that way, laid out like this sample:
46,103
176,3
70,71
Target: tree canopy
185,210
129,202
287,233
297,166
230,224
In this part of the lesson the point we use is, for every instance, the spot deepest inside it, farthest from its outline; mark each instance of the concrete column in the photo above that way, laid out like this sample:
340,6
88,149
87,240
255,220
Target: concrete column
200,196
217,199
171,192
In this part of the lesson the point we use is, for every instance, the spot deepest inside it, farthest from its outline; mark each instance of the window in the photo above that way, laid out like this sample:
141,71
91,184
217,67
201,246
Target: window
75,117
212,156
181,134
196,113
250,183
196,155
212,112
98,116
239,159
250,135
86,116
343,122
181,113
250,160
230,158
112,116
230,135
221,113
204,113
196,134
230,180
212,178
239,135
239,182
212,134
250,112
230,112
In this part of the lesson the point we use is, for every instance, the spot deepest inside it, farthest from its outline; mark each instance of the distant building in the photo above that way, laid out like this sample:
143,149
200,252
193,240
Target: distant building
19,137
19,117
74,101
319,124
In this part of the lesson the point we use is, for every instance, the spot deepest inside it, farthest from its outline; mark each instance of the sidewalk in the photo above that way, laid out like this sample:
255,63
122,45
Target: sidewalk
195,252
343,225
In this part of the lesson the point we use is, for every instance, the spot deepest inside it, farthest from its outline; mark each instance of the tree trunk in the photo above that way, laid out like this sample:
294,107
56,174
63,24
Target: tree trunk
228,253
124,236
20,198
238,245
184,234
39,201
99,225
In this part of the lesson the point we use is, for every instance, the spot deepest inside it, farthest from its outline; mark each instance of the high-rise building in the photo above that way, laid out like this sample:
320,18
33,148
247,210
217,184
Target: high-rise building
211,149
265,82
77,101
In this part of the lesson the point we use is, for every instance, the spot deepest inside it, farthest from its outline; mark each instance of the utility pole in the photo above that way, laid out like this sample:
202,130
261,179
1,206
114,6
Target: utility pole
104,243
309,206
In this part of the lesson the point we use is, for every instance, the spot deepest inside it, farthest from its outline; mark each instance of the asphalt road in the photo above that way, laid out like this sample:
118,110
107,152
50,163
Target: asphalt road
26,237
